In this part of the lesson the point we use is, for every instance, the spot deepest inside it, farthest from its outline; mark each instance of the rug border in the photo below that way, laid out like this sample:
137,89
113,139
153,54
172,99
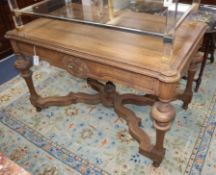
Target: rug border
200,150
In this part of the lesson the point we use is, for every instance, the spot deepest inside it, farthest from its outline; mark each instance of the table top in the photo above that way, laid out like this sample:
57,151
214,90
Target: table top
133,52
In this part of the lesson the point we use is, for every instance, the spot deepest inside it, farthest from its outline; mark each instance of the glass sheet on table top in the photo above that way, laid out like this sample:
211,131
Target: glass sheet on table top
140,16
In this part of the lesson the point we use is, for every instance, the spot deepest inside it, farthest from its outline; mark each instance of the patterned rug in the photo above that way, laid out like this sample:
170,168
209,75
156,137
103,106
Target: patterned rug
92,140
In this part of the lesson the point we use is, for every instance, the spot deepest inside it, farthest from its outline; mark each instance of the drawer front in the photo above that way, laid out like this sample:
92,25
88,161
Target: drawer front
84,68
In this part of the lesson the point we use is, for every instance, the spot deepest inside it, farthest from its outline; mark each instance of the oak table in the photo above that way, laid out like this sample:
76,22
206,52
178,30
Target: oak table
99,54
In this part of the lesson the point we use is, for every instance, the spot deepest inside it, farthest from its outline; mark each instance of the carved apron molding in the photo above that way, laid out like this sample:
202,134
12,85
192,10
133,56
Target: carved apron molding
76,66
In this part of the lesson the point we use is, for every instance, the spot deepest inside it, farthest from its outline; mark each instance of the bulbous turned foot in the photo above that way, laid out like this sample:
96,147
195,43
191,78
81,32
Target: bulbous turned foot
163,115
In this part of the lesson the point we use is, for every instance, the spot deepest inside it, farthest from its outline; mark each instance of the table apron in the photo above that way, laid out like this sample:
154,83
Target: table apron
84,68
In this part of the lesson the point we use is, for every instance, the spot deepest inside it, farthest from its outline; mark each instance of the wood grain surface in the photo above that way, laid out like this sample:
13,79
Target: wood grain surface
138,53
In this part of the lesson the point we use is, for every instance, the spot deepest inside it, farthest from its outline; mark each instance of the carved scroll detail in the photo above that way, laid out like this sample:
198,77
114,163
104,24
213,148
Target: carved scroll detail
76,66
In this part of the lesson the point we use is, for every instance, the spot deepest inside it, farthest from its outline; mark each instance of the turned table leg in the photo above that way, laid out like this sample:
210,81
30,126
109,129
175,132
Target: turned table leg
207,40
23,64
188,93
163,114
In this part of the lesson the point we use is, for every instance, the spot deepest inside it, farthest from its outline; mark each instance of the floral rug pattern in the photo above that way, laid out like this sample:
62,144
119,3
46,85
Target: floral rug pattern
92,140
